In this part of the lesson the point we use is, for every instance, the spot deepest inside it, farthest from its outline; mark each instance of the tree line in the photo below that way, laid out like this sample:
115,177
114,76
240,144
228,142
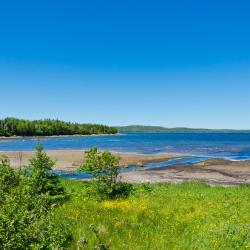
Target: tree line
158,129
49,127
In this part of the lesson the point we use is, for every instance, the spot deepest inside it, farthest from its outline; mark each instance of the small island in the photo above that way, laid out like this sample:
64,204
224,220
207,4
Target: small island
10,127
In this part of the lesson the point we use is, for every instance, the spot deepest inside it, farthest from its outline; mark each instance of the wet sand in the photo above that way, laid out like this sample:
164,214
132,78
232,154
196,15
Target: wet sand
72,159
213,172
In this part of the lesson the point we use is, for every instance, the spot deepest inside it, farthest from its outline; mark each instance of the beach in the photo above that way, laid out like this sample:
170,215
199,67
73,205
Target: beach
72,159
212,171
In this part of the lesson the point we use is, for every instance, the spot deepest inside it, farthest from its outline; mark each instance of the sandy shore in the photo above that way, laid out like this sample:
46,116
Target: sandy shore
52,136
71,159
214,172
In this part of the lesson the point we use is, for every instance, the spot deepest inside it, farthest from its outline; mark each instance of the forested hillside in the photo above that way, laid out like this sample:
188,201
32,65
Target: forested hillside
154,129
48,127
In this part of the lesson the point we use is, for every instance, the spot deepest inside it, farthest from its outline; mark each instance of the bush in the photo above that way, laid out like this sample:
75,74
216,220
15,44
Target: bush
25,223
27,205
8,177
121,190
41,181
105,168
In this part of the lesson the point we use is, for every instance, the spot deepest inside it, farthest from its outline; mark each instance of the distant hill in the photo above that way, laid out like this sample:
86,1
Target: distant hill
141,128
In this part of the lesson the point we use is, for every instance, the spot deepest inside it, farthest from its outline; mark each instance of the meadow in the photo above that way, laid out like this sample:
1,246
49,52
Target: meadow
158,216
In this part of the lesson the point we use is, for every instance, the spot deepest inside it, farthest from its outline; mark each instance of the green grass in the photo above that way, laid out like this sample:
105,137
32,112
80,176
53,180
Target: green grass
160,216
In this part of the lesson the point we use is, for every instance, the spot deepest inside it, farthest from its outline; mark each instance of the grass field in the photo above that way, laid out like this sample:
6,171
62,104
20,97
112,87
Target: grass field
159,216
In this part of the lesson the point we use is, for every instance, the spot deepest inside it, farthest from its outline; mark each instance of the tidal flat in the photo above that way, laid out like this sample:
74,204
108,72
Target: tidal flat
211,171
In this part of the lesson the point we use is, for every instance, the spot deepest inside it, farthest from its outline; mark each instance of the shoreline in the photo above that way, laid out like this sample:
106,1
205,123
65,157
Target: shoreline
72,159
212,171
53,136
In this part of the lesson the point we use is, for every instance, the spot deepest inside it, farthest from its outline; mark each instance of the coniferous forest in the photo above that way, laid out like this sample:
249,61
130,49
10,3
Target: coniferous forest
48,127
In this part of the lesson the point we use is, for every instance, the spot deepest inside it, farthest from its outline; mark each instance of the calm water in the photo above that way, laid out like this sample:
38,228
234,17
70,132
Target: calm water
229,146
200,146
184,160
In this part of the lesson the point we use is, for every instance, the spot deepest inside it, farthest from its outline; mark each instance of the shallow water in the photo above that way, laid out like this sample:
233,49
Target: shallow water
183,160
200,146
234,146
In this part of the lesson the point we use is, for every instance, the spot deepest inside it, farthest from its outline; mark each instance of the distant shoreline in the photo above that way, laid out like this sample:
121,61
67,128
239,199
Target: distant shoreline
54,136
124,132
158,129
14,127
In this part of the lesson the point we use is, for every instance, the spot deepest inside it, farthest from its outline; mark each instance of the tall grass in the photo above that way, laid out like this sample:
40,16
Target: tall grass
160,216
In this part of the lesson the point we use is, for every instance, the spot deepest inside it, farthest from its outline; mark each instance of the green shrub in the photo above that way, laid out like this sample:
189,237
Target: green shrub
121,190
9,178
28,200
25,223
40,180
104,167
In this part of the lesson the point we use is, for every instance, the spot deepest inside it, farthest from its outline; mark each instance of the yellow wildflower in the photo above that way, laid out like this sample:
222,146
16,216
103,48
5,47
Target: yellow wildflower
126,205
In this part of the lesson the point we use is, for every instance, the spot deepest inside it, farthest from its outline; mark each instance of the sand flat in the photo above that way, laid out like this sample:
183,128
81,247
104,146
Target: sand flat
71,159
215,172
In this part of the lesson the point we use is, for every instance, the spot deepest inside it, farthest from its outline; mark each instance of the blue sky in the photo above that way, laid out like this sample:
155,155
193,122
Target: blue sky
170,63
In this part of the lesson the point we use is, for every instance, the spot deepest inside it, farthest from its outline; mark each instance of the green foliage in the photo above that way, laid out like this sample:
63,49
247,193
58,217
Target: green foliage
157,216
98,162
25,223
104,167
158,129
121,190
48,127
40,180
8,177
102,191
30,198
160,216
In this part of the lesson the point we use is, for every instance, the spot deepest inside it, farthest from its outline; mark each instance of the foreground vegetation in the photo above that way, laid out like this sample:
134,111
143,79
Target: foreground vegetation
28,198
104,167
155,129
40,211
159,216
47,127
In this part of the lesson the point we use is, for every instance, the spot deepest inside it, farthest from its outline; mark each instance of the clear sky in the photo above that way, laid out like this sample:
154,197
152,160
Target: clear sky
170,63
